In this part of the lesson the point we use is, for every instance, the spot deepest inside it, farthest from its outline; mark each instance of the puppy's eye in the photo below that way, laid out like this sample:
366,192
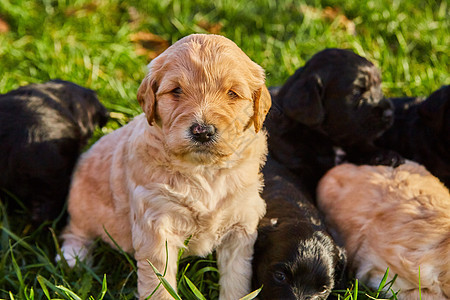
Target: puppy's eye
177,91
324,291
279,276
358,92
232,94
358,98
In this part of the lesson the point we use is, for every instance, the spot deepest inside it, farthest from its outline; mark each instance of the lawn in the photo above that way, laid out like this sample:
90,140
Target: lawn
106,45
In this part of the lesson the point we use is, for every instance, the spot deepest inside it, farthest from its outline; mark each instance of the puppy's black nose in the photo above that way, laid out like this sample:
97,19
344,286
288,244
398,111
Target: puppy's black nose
202,132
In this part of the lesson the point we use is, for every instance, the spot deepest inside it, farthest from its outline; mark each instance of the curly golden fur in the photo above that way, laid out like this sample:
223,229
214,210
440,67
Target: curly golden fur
392,217
154,181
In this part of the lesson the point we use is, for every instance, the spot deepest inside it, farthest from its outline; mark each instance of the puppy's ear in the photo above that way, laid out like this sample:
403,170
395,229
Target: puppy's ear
261,105
434,109
146,97
146,94
303,100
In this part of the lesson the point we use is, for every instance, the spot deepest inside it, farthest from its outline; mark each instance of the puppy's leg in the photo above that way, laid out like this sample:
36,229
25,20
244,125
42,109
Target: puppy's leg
153,249
234,259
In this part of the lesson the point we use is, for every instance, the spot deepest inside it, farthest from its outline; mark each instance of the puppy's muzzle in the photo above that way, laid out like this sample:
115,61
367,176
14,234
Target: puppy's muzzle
387,109
202,133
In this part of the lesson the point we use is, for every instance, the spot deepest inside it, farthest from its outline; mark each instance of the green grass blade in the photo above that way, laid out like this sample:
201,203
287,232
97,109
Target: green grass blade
252,295
194,289
104,288
167,259
381,286
20,241
355,290
58,250
30,295
181,252
43,286
56,289
420,288
164,282
68,292
130,261
17,270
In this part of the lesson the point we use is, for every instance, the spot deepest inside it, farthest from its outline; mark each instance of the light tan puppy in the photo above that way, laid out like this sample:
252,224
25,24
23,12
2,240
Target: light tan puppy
187,168
397,218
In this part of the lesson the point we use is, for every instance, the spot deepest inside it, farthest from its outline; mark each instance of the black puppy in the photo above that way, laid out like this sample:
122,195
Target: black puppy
421,132
295,258
334,101
43,128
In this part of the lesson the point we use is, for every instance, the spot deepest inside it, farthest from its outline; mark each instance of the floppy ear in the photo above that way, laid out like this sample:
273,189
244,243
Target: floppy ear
433,110
261,105
302,101
146,97
146,94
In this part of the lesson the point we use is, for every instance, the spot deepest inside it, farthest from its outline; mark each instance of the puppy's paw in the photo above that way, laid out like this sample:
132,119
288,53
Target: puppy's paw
74,249
387,158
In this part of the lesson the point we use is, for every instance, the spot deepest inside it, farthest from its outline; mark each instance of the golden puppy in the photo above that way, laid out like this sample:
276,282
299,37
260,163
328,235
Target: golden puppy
187,168
397,218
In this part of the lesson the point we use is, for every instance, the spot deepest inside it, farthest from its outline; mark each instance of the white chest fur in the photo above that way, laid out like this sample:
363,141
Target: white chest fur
204,207
170,200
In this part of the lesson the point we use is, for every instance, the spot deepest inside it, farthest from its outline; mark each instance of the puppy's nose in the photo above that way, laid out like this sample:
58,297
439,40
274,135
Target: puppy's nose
388,115
202,132
387,110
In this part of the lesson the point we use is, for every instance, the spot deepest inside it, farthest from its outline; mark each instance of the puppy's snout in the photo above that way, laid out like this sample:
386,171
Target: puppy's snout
202,132
387,109
388,115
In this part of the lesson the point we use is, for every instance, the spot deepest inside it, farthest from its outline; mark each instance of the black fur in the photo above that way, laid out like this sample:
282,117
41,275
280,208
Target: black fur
335,100
295,258
421,132
43,128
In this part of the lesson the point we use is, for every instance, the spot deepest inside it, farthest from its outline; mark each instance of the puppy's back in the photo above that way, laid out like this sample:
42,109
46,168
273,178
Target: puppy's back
43,128
391,217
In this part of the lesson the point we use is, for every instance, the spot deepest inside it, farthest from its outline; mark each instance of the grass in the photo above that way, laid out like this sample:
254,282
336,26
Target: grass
102,45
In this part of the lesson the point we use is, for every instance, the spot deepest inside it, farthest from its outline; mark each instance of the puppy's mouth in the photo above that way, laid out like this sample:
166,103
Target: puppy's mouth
205,148
202,153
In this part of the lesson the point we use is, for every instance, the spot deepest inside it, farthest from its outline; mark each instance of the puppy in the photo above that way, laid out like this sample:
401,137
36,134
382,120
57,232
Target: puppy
335,100
43,128
421,132
392,217
295,258
188,167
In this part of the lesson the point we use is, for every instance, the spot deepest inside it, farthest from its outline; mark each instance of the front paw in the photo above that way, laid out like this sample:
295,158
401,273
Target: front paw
387,158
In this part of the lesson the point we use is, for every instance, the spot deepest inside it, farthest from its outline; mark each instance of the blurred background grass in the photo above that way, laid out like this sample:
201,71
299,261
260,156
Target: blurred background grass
105,45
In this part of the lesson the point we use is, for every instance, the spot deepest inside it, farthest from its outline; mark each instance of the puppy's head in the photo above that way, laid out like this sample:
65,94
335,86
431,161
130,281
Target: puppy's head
294,261
339,93
206,95
81,103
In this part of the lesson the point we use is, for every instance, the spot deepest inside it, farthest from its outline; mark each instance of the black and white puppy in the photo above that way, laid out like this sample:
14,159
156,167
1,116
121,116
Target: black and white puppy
295,258
334,101
421,132
43,128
